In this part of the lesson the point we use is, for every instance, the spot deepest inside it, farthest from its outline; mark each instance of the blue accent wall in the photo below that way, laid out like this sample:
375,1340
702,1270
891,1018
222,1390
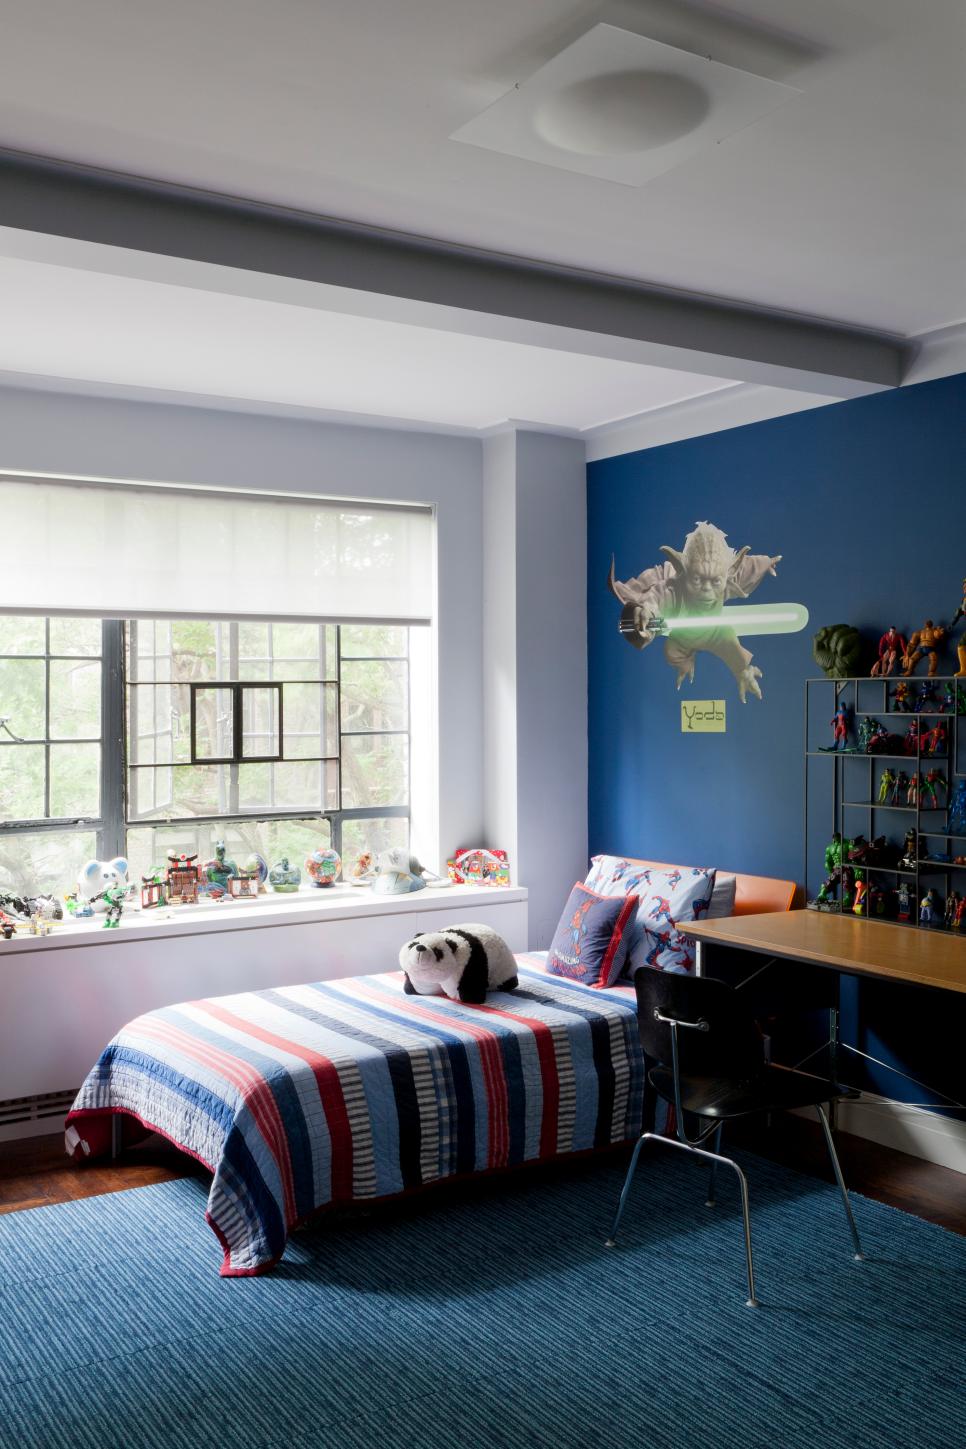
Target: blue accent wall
866,501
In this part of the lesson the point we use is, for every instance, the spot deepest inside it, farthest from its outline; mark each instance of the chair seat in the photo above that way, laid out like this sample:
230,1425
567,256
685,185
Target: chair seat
774,1089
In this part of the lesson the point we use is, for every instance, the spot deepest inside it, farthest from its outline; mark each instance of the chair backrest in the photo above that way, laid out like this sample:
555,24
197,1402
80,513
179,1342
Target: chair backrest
728,1045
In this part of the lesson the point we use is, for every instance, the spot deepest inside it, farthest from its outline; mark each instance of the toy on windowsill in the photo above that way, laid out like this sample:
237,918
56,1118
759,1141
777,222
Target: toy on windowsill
243,887
479,867
284,877
49,907
924,642
182,879
927,697
96,878
220,870
887,782
323,867
929,909
256,866
154,891
363,871
933,742
892,647
901,697
398,873
79,909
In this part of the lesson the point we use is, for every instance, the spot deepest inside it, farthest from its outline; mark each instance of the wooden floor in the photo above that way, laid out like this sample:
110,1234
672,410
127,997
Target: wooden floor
34,1172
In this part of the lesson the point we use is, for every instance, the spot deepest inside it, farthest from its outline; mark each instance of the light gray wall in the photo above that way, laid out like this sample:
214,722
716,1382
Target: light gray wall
500,647
42,431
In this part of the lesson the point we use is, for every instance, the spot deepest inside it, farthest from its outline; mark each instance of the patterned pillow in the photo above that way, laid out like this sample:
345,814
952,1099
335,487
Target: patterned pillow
667,897
586,943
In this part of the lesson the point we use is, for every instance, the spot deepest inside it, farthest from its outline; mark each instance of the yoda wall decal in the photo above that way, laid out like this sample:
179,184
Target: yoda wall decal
683,601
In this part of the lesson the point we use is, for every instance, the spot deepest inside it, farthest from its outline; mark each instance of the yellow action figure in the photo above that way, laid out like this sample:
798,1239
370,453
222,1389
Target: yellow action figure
925,641
961,646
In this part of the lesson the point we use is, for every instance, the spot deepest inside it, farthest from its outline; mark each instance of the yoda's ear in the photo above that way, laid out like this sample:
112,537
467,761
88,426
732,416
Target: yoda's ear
676,558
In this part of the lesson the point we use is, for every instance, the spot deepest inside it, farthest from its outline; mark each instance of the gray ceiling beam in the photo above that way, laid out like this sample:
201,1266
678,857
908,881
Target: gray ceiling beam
444,285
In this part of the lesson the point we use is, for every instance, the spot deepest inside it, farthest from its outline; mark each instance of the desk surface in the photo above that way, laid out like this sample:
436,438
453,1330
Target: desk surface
865,948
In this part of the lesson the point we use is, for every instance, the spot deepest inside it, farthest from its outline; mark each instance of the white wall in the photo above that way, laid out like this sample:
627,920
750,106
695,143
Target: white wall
43,431
535,664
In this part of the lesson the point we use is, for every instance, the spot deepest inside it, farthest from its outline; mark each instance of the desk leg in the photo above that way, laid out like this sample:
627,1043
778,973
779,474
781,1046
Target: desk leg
833,1051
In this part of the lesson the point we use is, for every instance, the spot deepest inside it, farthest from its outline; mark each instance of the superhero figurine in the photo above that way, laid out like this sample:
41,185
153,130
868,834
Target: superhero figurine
933,742
912,791
892,648
927,696
886,786
840,727
900,788
924,641
836,873
910,851
912,741
929,909
960,912
961,645
949,915
872,736
900,700
957,811
904,902
931,788
859,902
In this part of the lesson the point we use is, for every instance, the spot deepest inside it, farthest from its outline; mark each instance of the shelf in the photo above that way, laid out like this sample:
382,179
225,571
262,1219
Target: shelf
877,805
877,755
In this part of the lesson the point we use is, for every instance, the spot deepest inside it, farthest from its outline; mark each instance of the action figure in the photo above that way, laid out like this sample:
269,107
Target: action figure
924,641
949,914
960,911
872,736
836,871
858,902
901,786
931,788
927,696
929,909
840,727
957,811
892,647
933,742
900,700
697,580
912,790
910,851
904,902
886,786
961,646
912,741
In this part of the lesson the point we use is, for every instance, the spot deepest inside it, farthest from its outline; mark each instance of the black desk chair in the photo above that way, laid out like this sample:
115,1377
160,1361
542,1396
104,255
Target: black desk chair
710,1063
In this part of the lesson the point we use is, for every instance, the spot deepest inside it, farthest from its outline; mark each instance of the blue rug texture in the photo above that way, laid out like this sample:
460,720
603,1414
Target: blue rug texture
488,1314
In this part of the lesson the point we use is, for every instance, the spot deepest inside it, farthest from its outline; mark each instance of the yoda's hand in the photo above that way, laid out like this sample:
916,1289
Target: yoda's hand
771,564
748,680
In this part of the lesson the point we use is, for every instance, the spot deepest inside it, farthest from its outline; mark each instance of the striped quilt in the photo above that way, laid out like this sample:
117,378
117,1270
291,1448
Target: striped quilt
345,1091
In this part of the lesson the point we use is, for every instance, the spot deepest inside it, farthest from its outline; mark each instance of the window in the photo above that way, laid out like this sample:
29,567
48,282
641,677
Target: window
140,737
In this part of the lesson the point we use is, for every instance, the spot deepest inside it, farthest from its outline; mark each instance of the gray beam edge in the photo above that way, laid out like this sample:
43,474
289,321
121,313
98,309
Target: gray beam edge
641,323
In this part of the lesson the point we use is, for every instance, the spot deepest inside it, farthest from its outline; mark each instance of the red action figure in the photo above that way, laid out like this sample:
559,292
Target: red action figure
892,648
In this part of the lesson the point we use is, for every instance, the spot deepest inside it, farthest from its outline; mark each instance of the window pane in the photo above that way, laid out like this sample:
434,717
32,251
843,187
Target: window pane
75,636
375,770
44,862
292,785
21,782
374,695
200,650
75,699
252,643
185,790
311,720
158,724
372,835
214,724
259,722
21,634
22,697
377,640
75,780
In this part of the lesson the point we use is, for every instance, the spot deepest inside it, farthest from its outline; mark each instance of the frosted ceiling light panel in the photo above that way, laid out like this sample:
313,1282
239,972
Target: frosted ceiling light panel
623,108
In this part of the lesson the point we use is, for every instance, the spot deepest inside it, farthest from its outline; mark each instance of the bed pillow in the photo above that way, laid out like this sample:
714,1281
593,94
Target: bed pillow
666,899
722,897
586,944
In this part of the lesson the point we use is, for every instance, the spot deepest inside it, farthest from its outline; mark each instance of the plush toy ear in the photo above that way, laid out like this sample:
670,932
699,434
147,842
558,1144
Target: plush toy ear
119,864
91,870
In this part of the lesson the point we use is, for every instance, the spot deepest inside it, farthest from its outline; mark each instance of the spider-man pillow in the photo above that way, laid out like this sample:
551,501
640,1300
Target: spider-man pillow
586,945
667,898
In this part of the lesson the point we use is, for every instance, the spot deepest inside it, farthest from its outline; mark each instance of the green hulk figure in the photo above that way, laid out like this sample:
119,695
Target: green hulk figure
836,856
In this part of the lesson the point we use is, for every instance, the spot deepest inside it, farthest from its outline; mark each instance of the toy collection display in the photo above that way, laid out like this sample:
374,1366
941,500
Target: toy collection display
924,642
479,866
684,601
462,962
836,649
892,648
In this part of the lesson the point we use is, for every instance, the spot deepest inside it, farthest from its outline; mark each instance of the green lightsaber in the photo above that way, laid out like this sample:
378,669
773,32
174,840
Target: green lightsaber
742,618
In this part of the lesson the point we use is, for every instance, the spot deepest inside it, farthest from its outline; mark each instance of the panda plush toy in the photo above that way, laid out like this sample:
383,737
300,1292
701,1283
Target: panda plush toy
462,962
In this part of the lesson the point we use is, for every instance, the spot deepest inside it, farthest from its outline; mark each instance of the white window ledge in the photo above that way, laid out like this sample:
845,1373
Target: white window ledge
338,902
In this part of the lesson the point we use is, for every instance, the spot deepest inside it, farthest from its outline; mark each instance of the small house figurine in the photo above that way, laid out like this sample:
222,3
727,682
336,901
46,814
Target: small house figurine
153,891
183,876
243,887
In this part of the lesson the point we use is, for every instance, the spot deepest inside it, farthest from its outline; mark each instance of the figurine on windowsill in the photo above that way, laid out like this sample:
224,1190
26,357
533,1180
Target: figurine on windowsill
924,641
284,877
929,914
220,870
892,647
900,700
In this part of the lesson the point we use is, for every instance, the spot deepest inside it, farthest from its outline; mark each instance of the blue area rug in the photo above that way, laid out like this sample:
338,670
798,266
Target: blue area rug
488,1314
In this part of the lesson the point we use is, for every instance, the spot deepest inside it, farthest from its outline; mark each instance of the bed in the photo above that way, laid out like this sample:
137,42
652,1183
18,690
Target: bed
350,1090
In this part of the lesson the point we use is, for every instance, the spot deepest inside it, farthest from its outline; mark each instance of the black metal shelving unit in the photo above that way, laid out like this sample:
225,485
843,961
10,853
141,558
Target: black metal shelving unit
854,783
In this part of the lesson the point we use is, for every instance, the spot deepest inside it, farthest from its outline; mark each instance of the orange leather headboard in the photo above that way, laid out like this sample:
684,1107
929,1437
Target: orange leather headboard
754,894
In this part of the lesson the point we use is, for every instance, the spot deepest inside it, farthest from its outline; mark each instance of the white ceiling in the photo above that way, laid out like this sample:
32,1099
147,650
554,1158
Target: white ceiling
848,203
122,332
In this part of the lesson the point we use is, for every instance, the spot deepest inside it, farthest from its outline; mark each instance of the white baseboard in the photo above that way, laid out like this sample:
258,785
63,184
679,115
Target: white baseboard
930,1135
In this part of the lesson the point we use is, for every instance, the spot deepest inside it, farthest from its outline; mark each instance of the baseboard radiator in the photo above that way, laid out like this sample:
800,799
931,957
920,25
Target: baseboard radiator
33,1116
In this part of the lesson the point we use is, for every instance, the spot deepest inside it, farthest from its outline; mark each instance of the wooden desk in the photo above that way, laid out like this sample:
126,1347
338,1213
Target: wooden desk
862,948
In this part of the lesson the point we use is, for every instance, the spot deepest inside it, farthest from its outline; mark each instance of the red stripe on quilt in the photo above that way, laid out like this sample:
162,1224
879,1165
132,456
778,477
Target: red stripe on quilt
491,1060
249,1081
549,1075
327,1080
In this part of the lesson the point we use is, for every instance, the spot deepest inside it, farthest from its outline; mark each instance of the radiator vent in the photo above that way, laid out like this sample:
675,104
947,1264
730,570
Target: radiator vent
37,1108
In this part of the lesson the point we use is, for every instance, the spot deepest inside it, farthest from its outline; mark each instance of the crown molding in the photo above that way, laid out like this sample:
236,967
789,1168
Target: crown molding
938,353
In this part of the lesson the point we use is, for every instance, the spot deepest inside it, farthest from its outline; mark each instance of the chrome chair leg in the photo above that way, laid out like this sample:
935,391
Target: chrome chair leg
713,1172
632,1168
752,1301
830,1144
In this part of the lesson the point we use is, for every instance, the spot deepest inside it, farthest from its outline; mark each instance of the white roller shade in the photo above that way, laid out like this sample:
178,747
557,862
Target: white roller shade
117,550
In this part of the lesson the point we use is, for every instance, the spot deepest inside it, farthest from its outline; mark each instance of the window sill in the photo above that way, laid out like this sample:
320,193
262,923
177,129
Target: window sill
339,902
